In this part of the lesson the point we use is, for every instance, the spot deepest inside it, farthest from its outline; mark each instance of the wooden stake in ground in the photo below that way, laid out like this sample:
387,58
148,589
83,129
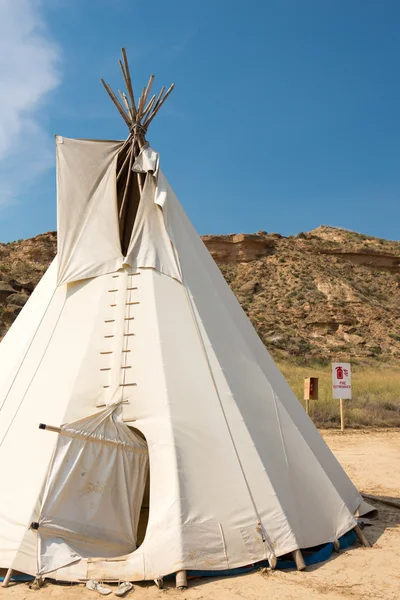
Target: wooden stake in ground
299,560
181,580
7,578
361,537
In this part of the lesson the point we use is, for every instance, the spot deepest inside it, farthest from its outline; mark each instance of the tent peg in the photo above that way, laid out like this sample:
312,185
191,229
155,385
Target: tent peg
361,537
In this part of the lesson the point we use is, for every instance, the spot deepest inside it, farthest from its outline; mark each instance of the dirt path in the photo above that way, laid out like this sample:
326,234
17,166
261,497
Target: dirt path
372,459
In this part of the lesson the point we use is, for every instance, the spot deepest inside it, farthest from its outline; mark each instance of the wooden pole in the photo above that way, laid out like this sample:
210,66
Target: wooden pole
181,580
123,71
361,537
155,111
383,500
126,142
128,81
140,105
49,427
117,103
148,88
307,406
341,414
132,112
149,106
126,103
7,578
299,560
128,178
127,157
159,97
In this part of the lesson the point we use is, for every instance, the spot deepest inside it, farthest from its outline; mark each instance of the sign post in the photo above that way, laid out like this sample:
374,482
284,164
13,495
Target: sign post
341,383
341,414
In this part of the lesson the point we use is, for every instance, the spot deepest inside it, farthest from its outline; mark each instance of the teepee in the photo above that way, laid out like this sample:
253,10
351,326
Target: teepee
144,428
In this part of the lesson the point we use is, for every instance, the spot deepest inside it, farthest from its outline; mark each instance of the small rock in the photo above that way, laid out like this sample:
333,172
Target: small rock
275,338
17,299
11,313
250,287
5,290
353,338
22,287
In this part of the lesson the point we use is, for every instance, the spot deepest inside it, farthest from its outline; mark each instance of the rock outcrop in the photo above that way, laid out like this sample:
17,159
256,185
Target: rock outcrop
241,248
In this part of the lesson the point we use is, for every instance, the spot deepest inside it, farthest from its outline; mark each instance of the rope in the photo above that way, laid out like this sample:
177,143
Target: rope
138,129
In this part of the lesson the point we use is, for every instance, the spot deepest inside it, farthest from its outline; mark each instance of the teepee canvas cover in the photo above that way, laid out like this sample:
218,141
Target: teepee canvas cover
133,329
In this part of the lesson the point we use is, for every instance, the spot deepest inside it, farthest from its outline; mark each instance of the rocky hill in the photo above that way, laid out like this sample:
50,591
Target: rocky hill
326,294
22,265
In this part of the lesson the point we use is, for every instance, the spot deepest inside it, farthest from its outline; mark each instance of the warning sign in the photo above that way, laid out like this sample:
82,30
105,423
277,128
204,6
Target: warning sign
341,380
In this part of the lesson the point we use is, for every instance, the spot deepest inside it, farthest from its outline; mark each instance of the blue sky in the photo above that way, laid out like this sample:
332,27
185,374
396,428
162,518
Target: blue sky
286,113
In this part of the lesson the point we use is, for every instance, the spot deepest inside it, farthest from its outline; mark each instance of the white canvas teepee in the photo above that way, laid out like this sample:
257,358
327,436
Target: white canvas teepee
137,355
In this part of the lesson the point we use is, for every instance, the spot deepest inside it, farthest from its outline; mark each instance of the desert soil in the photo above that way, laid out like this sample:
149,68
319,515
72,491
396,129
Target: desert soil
372,460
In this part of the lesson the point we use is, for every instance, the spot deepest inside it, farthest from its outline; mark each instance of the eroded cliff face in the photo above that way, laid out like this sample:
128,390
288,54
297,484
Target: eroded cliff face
328,293
238,248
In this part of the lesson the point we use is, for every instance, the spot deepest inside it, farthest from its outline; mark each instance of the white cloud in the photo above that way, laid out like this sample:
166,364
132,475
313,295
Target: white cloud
28,71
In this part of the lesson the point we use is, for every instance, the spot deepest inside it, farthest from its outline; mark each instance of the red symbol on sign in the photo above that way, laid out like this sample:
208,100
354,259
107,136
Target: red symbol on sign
341,373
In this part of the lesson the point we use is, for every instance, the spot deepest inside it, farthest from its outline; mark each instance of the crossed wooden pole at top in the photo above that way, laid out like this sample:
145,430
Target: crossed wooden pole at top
137,116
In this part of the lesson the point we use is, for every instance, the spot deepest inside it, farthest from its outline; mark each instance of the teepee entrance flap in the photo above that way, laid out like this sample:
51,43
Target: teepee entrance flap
94,492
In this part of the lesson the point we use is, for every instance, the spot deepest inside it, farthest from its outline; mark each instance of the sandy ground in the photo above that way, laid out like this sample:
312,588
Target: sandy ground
372,459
